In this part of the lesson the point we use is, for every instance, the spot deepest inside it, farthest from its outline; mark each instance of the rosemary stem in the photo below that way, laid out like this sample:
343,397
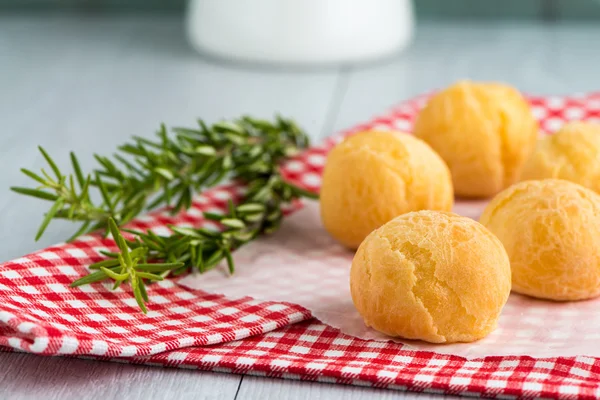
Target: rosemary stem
168,171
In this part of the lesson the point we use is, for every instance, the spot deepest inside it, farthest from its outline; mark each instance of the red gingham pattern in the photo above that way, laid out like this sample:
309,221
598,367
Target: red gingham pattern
39,313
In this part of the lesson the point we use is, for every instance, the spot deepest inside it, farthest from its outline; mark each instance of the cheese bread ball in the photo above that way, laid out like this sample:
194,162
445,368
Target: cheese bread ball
373,176
572,153
431,275
551,231
484,131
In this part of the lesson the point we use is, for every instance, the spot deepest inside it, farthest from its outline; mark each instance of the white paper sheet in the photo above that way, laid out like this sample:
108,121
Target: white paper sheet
302,264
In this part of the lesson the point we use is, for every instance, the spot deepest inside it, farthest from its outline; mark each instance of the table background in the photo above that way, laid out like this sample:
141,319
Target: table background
88,83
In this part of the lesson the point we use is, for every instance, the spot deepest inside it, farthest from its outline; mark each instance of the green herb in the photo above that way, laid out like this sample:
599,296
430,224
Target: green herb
147,174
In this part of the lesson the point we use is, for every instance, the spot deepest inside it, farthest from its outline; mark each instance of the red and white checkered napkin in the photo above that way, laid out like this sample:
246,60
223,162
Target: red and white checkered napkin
39,313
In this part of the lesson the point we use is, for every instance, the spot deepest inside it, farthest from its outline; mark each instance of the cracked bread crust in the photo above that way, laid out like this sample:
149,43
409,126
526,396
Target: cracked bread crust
572,153
433,276
484,131
551,231
375,176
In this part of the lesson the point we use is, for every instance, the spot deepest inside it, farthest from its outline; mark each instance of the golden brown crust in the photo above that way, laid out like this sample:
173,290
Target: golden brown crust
373,177
551,231
484,131
434,276
572,153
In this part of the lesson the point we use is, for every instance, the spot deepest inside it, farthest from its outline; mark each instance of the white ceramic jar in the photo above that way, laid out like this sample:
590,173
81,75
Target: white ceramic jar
300,31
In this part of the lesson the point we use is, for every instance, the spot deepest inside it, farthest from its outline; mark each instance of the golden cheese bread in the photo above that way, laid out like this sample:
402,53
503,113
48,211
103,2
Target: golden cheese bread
484,131
430,275
572,153
551,231
374,176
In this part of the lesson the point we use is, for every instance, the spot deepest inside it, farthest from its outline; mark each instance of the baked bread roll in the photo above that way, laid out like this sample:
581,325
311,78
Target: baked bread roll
433,276
572,153
551,231
484,131
373,176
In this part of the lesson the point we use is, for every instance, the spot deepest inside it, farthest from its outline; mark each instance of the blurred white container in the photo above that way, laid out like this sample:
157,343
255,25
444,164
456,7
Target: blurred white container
300,31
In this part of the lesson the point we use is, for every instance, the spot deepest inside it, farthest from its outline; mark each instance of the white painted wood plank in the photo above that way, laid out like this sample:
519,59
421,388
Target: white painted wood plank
29,377
536,58
87,84
254,388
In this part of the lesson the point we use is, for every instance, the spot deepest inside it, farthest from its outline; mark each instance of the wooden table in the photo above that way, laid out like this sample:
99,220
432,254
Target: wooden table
87,83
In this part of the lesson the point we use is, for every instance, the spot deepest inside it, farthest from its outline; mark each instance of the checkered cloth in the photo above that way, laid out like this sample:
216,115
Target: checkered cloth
40,313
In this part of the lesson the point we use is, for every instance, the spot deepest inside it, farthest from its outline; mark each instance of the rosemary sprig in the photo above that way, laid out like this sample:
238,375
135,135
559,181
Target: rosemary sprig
127,265
147,174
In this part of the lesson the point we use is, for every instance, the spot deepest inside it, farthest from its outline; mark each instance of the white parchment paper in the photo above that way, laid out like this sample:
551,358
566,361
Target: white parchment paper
302,264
